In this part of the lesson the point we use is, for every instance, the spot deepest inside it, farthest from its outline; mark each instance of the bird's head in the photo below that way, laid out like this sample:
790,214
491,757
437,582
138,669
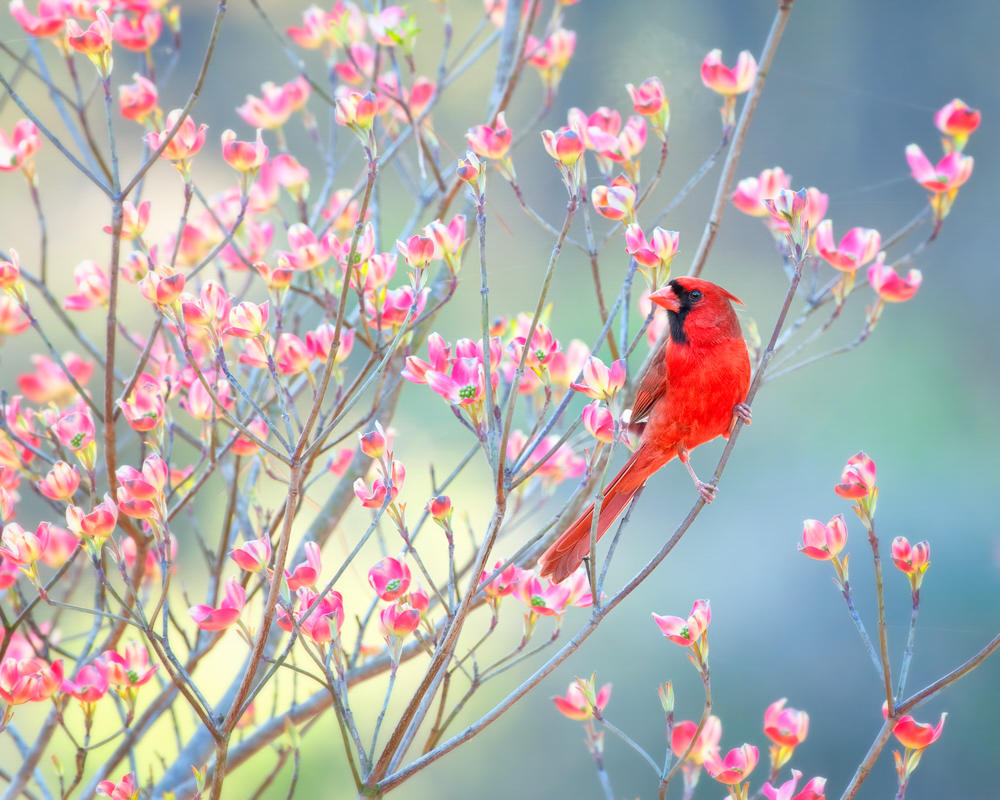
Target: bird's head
698,310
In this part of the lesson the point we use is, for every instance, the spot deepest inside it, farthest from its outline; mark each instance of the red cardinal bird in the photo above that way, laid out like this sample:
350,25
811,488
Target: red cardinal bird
688,397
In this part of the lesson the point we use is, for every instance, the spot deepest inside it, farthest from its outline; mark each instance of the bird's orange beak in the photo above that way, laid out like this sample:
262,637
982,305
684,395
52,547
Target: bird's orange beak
666,298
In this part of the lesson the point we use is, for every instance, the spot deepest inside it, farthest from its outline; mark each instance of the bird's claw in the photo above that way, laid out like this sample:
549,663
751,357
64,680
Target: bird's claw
742,410
706,491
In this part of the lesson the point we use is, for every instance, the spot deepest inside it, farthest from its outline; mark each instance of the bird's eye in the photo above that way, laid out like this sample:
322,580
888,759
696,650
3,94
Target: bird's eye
695,295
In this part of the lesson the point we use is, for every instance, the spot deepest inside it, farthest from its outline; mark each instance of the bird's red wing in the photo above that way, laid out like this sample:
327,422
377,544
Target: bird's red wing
651,389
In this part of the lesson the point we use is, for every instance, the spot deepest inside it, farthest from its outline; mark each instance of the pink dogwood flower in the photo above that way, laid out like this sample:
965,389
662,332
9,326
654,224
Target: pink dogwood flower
219,618
857,248
737,765
686,632
787,727
823,542
915,735
751,193
246,157
601,382
399,621
813,790
890,285
491,142
186,142
98,524
728,80
253,556
541,597
947,175
706,744
124,789
576,704
858,480
599,422
390,578
29,680
60,483
90,683
659,249
306,573
615,202
49,21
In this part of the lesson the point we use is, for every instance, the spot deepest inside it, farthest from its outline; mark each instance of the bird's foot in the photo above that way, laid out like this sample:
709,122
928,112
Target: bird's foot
706,491
742,410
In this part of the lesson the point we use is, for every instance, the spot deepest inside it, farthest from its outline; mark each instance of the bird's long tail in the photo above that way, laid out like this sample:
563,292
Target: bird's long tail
567,553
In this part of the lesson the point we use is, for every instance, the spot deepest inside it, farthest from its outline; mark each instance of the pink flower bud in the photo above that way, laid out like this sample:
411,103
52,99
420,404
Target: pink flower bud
61,482
728,80
707,743
600,381
356,110
564,145
599,422
786,727
125,789
857,248
616,201
813,790
247,320
50,20
292,355
576,704
957,119
440,507
950,172
397,621
491,142
307,572
186,142
823,542
470,168
16,152
209,618
253,556
95,42
243,156
649,98
20,546
162,286
751,192
735,767
417,250
419,600
915,735
858,478
10,271
911,560
373,443
138,100
890,285
90,684
98,524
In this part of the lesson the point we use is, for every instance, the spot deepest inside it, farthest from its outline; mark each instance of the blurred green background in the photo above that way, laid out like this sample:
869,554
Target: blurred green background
853,83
